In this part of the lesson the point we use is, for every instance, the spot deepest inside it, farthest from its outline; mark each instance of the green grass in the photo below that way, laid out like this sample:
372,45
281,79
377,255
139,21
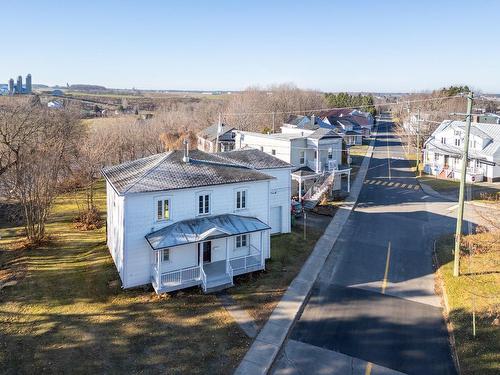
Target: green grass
260,292
67,314
439,184
477,286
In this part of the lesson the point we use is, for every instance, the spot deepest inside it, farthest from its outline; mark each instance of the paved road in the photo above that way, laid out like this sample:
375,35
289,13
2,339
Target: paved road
373,309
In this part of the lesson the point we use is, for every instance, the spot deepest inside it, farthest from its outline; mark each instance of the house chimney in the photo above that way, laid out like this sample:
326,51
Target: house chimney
185,158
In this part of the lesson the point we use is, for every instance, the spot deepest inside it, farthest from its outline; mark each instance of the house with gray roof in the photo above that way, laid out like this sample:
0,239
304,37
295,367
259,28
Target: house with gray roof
216,138
443,151
190,218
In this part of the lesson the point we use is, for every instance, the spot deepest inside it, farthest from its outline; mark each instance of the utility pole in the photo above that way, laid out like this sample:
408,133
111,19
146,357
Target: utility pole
273,124
218,131
460,213
418,144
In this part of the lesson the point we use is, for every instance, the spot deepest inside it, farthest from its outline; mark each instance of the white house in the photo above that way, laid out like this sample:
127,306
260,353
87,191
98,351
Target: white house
315,153
443,150
223,134
181,219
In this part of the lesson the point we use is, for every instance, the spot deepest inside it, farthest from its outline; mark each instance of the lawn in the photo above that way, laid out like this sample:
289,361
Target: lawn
478,287
68,314
259,293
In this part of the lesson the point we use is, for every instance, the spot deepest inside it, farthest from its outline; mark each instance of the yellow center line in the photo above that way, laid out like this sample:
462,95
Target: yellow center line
386,273
368,369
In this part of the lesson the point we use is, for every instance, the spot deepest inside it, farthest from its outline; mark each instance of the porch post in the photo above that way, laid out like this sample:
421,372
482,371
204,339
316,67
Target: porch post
300,189
200,254
159,254
317,158
227,253
261,249
349,181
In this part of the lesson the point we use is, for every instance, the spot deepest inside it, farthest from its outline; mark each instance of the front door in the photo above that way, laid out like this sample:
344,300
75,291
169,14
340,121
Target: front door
206,247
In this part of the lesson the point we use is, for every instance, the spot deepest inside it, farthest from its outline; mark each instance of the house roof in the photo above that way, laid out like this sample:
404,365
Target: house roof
304,172
323,133
210,133
295,119
253,158
485,131
202,229
167,171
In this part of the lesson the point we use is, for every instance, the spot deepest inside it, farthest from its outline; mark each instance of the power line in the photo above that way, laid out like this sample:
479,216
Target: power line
334,108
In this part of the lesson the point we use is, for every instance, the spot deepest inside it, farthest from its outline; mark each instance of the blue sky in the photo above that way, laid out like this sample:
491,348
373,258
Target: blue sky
327,45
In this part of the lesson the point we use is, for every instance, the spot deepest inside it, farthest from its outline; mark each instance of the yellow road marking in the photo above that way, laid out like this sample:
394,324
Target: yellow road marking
368,369
386,273
388,156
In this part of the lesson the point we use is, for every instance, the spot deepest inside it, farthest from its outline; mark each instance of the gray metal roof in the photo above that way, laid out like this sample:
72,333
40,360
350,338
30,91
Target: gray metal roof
210,133
323,133
167,171
203,229
253,158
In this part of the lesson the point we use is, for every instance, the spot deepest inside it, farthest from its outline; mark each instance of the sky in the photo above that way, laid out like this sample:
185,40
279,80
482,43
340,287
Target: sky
357,45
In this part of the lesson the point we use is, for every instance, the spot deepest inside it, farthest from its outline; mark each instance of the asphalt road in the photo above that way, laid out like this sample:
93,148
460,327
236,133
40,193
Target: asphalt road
373,309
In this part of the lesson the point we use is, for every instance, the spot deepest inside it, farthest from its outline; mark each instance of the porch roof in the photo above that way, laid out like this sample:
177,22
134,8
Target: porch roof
203,229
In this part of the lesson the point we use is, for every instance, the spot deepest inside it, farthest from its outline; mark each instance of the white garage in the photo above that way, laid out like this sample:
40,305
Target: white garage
275,222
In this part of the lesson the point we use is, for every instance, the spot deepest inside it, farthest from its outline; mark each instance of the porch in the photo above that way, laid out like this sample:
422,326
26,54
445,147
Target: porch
226,247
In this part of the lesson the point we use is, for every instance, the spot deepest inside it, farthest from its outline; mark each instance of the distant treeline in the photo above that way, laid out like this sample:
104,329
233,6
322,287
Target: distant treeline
343,99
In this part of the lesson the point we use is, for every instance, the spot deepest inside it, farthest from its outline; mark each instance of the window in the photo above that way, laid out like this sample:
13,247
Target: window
330,153
166,255
241,199
315,154
163,209
457,142
241,241
443,140
273,152
203,204
302,157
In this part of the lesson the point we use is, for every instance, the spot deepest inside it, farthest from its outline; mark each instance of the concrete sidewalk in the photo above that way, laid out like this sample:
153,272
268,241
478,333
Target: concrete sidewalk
265,348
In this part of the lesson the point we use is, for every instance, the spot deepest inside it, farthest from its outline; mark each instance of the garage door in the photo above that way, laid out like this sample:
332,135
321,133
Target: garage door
275,220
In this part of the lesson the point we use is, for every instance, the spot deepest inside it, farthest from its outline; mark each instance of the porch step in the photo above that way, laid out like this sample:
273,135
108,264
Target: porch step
219,283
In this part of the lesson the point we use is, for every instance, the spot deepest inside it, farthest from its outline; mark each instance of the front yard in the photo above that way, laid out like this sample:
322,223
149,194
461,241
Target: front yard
477,289
63,311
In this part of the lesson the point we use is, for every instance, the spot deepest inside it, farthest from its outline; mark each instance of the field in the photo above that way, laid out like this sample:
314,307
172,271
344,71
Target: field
63,310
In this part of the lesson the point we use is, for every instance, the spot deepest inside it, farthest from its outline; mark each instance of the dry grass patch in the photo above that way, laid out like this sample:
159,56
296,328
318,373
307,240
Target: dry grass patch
69,315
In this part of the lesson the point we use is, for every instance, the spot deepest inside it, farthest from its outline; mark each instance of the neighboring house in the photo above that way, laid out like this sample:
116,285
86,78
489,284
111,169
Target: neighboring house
412,125
207,138
319,149
488,118
315,154
361,122
180,218
443,150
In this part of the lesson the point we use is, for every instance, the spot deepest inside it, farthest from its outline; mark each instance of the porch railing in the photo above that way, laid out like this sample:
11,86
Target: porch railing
181,276
203,279
246,261
229,270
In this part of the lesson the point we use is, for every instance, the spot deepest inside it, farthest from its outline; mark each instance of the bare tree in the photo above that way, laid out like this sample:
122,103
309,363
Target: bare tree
42,159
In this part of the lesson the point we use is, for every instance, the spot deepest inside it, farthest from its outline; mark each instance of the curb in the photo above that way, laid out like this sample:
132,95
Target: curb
268,343
444,300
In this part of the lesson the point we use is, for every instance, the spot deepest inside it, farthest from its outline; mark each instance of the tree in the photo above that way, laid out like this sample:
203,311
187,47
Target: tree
41,160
